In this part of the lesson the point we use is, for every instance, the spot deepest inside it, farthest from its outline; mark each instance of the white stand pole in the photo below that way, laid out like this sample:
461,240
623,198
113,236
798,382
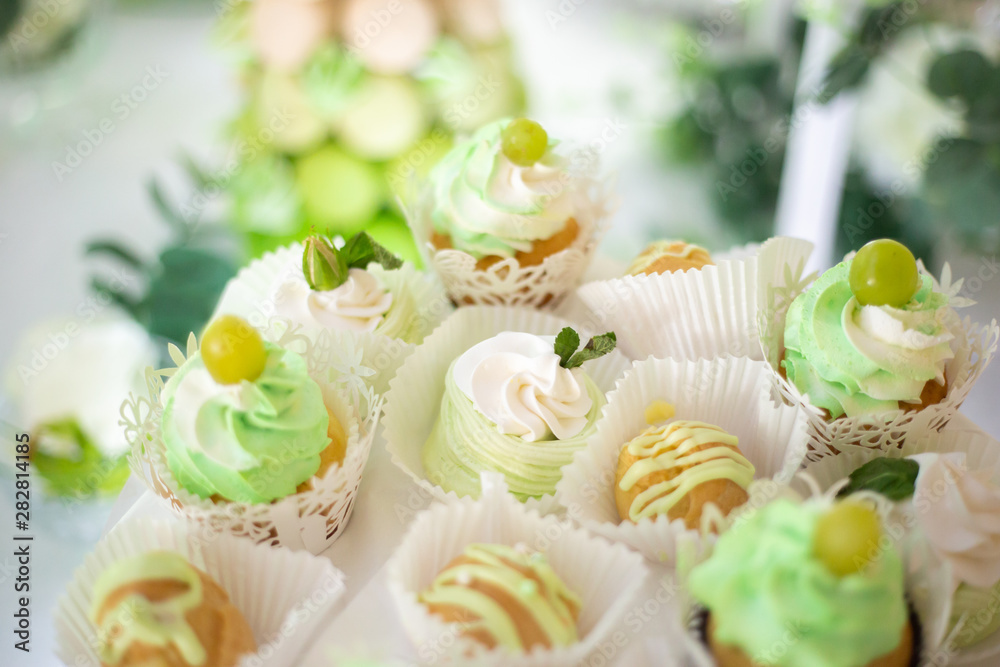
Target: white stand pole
817,153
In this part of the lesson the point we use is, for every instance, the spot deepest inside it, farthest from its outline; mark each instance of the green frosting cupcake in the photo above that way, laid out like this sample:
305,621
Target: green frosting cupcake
859,360
771,597
464,443
252,442
489,206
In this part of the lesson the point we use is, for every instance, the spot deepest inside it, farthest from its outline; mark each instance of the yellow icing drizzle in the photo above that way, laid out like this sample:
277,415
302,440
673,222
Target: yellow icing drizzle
658,411
662,248
675,445
136,619
547,604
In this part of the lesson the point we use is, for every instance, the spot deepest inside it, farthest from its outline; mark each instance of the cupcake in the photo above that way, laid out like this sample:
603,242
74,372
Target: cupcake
508,218
430,421
872,335
517,404
256,437
174,594
488,581
873,350
676,469
156,608
676,300
675,452
956,508
503,596
806,584
359,288
244,422
668,257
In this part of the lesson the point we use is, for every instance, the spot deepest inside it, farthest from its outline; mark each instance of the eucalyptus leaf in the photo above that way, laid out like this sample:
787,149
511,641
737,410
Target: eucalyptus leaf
893,478
846,72
117,251
965,74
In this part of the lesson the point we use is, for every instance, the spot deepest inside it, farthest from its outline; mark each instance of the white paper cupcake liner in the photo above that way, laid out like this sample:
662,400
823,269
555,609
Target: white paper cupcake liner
607,577
982,453
927,590
310,520
507,283
414,399
248,295
284,596
730,392
698,314
974,346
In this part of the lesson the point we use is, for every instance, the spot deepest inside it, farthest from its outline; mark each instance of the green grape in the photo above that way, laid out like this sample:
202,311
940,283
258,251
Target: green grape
232,350
884,273
524,142
847,537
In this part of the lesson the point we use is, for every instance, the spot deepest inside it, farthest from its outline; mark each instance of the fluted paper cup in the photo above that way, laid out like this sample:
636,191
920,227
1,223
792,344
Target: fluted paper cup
974,347
982,454
927,590
507,282
284,596
606,576
729,392
312,519
414,399
249,295
697,314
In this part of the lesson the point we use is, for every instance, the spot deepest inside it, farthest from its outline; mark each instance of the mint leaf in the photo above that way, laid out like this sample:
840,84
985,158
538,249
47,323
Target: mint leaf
893,478
362,250
567,343
323,266
596,347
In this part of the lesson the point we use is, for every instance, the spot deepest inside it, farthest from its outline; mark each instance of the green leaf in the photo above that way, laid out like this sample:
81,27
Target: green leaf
893,478
596,347
122,300
166,211
362,250
114,249
566,344
847,71
965,74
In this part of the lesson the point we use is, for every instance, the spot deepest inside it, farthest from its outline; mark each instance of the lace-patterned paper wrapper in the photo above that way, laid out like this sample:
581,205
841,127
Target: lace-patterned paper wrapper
927,582
310,520
982,454
696,314
507,283
974,347
607,577
732,393
414,399
284,596
248,295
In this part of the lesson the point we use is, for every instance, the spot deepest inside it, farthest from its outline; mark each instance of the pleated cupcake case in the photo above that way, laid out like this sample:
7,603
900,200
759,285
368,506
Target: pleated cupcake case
729,392
927,586
696,314
974,347
414,399
507,283
310,520
606,576
248,295
284,596
982,453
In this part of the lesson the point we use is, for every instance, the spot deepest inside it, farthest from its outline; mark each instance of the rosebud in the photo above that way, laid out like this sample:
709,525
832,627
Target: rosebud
323,266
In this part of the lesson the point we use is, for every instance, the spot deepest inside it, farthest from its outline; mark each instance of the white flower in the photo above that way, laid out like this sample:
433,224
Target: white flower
898,119
80,371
